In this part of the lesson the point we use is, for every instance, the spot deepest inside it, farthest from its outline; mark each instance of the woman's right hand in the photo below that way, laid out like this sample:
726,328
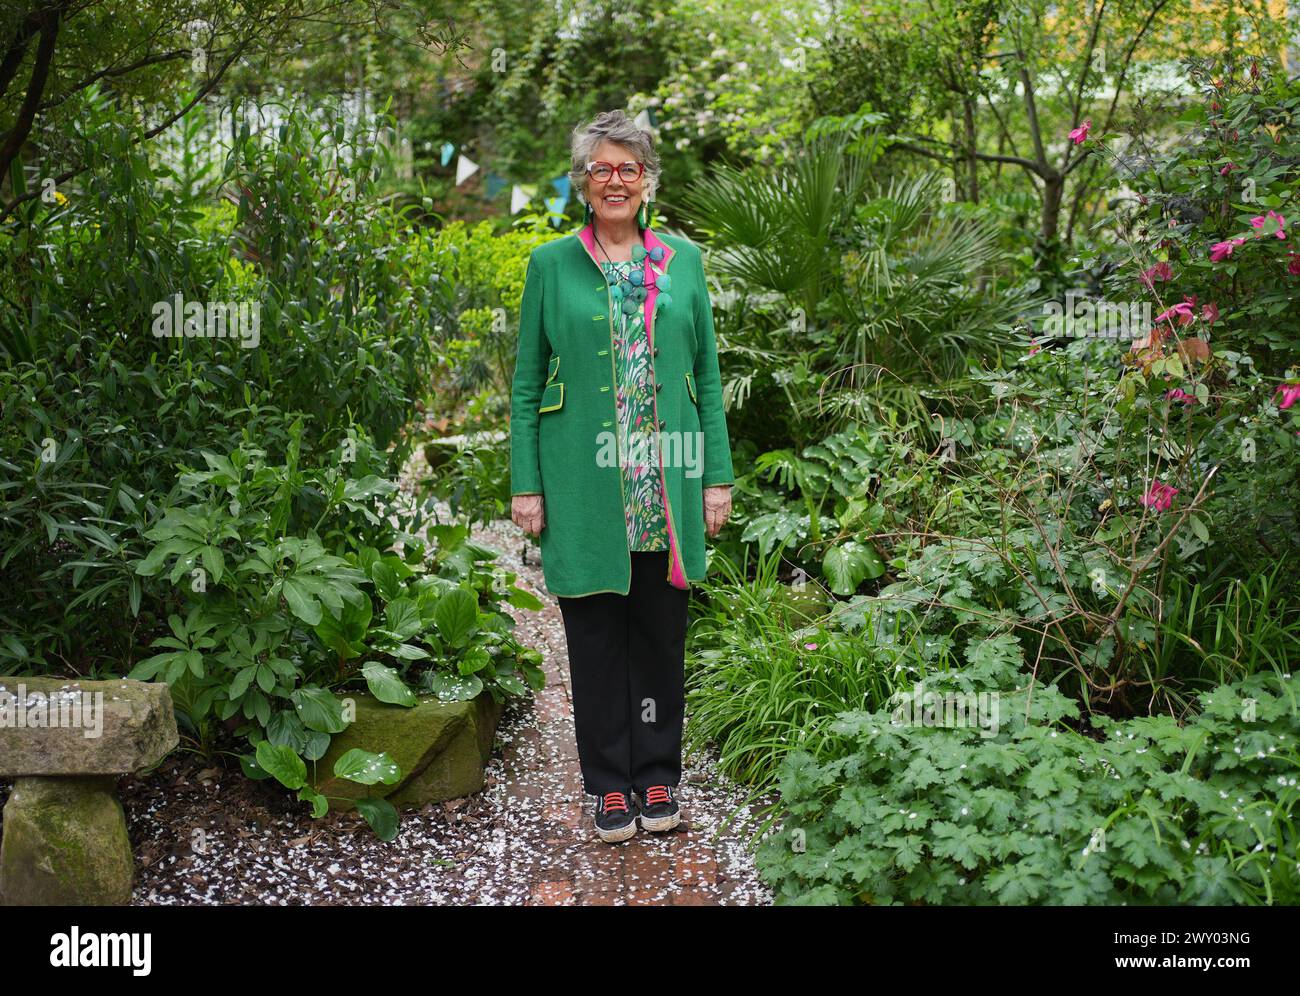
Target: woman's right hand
527,513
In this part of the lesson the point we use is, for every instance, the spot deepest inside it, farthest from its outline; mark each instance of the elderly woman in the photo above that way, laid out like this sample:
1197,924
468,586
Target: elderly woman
620,463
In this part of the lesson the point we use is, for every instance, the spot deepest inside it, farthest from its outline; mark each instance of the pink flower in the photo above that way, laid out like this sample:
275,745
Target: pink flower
1209,311
810,646
1178,394
1293,265
1290,394
1034,343
1183,311
1161,271
1222,250
1261,220
1159,497
1080,133
1228,169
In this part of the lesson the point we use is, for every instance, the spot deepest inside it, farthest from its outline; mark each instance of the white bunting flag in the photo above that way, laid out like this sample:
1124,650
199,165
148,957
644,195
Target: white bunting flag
465,168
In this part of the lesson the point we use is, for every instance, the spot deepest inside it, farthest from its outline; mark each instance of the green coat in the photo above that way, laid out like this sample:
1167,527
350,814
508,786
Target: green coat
562,412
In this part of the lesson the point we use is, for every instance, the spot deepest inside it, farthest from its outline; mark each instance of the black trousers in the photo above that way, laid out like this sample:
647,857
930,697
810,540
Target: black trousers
626,664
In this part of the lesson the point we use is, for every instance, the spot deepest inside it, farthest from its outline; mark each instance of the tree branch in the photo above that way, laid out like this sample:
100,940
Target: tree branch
206,89
1110,111
17,135
112,73
920,150
16,51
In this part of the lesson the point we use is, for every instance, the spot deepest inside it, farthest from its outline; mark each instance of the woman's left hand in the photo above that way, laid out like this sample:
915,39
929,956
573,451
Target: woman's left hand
717,506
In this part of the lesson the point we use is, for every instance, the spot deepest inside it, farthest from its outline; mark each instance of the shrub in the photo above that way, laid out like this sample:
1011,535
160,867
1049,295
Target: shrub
284,589
98,411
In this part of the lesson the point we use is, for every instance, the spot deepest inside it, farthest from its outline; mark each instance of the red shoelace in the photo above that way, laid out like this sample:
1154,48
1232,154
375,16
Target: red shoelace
657,793
615,800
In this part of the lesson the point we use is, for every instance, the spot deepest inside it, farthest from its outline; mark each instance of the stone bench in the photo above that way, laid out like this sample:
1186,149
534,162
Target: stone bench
65,743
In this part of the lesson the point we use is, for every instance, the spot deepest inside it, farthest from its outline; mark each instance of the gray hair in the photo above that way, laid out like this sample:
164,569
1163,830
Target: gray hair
617,127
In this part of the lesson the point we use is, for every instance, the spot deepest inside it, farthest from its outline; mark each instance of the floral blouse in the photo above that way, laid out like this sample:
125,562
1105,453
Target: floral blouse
643,508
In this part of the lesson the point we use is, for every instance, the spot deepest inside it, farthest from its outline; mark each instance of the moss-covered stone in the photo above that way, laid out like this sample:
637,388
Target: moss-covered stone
440,747
65,844
458,769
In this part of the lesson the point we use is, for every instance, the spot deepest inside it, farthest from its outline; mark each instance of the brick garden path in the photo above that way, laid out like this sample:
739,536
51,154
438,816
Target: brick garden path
683,867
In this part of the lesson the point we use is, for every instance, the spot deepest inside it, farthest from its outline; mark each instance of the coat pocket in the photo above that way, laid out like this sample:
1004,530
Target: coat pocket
690,387
552,398
553,369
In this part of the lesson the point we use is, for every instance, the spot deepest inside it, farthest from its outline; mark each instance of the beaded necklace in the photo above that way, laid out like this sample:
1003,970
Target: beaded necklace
629,287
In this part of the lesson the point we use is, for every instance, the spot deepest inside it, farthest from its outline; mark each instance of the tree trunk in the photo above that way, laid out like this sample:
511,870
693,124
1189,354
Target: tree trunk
972,175
1053,194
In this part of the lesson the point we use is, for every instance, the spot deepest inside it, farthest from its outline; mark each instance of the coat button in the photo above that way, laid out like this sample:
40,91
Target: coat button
663,424
655,351
658,386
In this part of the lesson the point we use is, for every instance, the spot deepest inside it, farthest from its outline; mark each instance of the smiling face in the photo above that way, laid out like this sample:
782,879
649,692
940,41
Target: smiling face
617,201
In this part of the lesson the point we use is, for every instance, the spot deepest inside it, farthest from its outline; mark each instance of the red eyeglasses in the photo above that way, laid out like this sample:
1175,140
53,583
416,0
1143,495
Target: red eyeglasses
603,172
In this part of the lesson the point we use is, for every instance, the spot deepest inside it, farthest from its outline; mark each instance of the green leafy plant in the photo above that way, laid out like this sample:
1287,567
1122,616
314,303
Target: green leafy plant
287,602
1143,811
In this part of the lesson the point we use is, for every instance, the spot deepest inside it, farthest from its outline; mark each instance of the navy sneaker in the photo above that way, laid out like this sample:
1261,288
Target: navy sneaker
615,816
659,809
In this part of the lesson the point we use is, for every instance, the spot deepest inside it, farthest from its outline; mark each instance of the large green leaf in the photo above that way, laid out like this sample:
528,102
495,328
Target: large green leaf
366,768
282,763
456,616
521,599
846,566
302,603
252,769
474,660
319,709
344,630
455,688
387,685
402,616
387,575
512,684
286,728
381,816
